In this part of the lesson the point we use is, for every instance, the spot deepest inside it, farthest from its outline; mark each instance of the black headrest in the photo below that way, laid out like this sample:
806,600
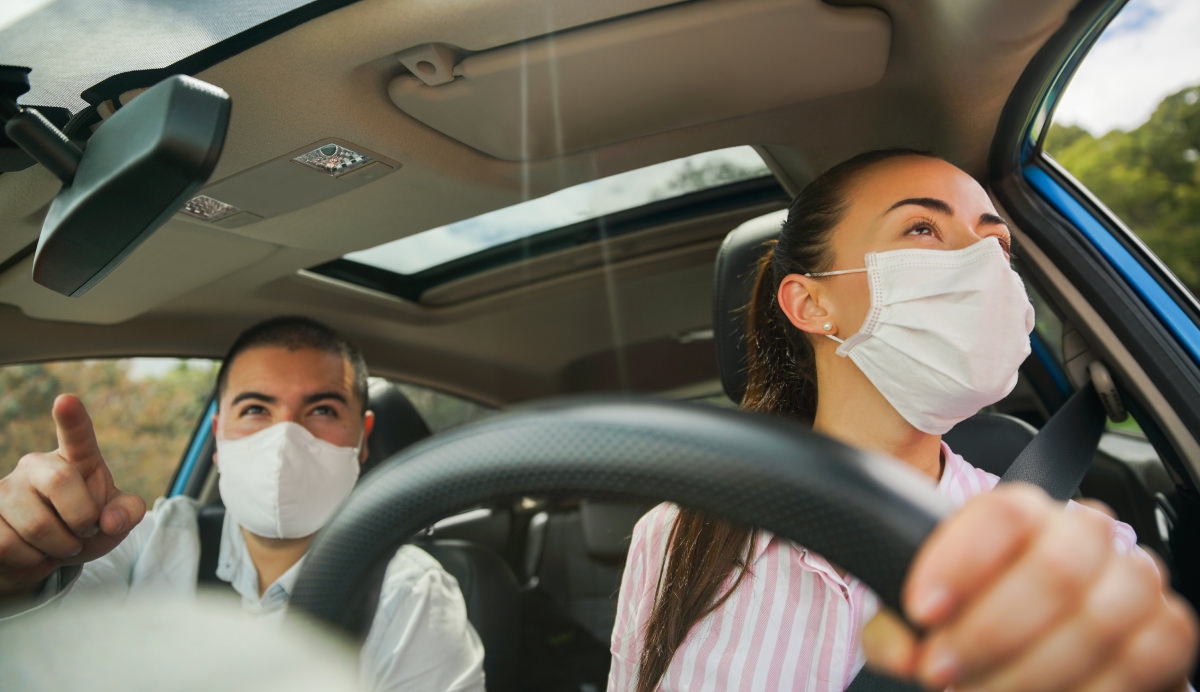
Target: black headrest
733,281
990,441
397,423
608,526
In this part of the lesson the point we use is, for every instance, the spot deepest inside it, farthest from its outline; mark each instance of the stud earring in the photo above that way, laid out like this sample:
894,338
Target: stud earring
828,326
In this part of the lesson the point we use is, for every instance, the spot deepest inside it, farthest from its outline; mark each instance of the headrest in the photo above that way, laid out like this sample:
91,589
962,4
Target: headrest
607,527
397,423
733,281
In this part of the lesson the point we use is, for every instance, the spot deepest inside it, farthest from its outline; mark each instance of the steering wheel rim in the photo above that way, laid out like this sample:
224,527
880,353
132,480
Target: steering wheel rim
864,512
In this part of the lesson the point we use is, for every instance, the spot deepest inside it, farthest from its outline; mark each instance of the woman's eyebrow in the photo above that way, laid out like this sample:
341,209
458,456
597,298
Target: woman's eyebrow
931,203
992,219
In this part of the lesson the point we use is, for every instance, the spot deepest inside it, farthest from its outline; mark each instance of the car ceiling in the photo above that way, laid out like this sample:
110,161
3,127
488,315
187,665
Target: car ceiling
619,85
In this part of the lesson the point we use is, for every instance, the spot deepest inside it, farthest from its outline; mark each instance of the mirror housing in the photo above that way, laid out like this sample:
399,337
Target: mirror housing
140,166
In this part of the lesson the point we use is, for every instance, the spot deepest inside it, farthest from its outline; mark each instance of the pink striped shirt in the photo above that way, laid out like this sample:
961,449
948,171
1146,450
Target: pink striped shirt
793,624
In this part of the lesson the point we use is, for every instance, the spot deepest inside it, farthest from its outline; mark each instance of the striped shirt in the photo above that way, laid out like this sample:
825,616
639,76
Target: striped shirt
793,623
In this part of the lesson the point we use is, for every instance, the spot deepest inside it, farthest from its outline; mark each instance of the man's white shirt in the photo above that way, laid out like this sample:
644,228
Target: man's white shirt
420,638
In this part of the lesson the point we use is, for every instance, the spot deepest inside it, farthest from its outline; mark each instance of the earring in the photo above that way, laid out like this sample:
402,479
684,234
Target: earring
828,326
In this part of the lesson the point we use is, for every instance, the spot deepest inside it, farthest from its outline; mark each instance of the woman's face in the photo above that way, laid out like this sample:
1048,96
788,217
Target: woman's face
907,202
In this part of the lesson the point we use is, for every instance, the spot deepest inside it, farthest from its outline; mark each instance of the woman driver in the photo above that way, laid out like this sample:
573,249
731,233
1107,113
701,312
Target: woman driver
889,294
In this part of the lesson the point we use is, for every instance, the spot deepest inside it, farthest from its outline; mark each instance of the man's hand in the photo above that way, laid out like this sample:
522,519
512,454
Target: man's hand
1017,594
61,507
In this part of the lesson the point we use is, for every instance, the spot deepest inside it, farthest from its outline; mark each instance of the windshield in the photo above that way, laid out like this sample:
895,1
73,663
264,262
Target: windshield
74,44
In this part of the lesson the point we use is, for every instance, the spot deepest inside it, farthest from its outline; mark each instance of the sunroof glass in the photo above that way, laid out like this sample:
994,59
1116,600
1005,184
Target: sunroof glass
597,198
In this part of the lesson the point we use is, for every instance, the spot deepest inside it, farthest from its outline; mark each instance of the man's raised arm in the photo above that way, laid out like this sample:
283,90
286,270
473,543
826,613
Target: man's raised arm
60,508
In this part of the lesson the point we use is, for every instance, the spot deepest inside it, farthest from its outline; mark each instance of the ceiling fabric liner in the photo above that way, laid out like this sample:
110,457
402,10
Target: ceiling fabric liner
617,80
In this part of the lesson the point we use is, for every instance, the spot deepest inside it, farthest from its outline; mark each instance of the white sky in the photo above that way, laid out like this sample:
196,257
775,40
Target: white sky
1148,52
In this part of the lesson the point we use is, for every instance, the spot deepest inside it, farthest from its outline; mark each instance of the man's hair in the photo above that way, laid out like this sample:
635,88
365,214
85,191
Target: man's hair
295,332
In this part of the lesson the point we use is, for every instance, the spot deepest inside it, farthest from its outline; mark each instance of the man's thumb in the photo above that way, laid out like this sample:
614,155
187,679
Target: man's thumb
123,512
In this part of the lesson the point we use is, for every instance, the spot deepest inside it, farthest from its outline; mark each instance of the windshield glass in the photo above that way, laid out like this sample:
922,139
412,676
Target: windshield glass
74,44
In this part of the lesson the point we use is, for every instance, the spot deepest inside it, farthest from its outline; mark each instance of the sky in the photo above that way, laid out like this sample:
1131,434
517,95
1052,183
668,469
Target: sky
1149,51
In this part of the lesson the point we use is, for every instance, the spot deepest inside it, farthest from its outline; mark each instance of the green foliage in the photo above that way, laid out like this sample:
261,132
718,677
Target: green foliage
142,423
1149,177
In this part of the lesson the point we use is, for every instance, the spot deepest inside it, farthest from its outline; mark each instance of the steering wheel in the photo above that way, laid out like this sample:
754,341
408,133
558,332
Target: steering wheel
862,511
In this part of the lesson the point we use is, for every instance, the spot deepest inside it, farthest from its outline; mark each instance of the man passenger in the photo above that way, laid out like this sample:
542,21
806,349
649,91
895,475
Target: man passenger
291,427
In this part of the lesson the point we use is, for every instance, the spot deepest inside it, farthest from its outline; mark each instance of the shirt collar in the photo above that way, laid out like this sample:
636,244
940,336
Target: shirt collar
235,566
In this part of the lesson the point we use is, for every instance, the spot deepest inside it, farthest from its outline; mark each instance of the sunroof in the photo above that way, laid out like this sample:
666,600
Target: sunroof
591,200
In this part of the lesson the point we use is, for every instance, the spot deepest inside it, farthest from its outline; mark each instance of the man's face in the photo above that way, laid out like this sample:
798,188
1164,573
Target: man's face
273,384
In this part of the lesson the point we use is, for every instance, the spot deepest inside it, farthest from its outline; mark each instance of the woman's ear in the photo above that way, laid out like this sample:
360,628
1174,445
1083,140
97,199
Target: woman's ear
805,305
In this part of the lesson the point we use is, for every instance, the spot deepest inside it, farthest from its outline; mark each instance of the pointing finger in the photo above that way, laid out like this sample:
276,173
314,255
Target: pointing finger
76,436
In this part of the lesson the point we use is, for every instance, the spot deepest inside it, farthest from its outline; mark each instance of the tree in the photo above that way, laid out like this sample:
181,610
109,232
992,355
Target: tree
1149,177
142,422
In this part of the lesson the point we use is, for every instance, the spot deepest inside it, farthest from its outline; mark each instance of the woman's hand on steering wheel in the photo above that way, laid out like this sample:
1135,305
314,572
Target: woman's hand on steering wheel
1016,594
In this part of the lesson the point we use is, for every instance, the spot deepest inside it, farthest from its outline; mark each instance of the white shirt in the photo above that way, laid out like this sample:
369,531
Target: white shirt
420,638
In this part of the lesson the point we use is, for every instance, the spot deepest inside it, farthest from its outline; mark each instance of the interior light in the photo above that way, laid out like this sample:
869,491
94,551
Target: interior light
332,159
208,209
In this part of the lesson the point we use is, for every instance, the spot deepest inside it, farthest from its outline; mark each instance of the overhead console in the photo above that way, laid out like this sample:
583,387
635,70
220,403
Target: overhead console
620,79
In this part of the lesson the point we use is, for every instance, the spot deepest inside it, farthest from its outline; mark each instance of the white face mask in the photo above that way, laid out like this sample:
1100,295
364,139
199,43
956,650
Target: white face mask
946,332
282,482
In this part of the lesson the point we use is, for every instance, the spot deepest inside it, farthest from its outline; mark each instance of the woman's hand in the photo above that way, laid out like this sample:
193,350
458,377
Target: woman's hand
1014,593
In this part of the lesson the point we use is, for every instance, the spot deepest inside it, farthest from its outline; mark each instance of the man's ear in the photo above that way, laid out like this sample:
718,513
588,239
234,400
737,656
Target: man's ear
804,303
368,426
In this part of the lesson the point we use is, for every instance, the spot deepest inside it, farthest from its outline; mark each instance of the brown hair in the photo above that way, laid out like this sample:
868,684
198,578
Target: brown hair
295,332
781,380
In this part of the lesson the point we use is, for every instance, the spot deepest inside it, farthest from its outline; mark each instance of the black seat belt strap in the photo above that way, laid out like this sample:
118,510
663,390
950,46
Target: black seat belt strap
1058,457
209,521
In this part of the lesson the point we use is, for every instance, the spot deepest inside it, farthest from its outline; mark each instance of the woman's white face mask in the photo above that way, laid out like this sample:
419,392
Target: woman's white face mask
283,482
946,331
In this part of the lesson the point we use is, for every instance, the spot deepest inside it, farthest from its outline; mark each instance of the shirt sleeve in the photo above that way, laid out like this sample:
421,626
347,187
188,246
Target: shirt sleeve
420,639
635,600
109,574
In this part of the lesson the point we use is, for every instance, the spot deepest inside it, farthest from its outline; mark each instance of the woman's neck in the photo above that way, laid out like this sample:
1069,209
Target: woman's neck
851,410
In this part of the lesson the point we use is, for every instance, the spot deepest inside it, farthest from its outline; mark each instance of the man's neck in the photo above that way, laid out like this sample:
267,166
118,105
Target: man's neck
273,556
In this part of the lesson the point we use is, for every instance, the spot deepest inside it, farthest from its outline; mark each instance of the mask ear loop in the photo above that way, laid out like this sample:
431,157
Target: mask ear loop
839,272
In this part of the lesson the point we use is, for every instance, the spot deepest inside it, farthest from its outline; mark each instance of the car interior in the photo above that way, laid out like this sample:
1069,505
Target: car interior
356,126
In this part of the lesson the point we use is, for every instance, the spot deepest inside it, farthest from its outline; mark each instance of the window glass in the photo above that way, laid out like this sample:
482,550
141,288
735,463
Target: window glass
143,409
1128,128
590,200
443,411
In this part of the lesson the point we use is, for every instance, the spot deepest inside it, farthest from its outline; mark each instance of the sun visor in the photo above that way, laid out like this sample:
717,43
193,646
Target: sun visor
626,78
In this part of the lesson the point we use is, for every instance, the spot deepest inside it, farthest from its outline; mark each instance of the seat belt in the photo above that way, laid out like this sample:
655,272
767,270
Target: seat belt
209,522
1055,460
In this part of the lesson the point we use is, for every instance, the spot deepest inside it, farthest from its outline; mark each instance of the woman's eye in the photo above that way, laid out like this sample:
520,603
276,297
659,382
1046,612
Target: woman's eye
921,229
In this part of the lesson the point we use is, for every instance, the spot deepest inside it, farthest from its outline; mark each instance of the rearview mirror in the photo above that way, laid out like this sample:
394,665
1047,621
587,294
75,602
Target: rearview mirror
138,169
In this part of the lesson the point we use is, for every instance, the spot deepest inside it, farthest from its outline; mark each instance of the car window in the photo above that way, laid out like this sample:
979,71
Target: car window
144,410
1128,128
442,411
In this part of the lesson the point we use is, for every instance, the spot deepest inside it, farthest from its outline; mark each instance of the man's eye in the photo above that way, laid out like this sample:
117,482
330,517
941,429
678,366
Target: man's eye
325,411
253,410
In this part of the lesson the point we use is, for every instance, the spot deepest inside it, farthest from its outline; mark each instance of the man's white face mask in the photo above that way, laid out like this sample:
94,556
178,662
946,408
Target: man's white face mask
283,482
946,332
